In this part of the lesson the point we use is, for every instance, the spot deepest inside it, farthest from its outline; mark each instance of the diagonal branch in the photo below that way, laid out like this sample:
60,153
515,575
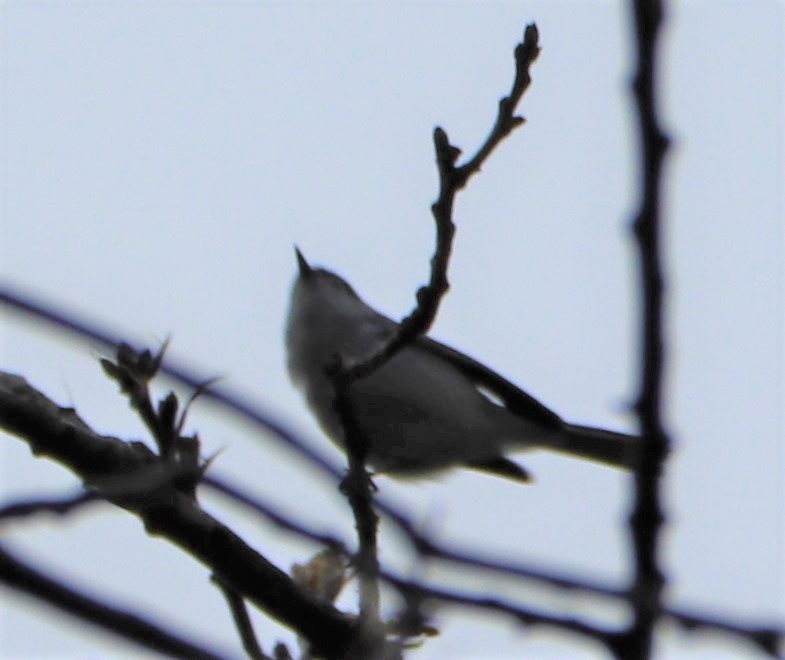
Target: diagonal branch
180,372
452,178
769,638
18,575
242,622
59,506
60,434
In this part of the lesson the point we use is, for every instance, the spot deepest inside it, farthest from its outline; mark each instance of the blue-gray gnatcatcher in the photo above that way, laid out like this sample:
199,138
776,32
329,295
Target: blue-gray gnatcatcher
427,408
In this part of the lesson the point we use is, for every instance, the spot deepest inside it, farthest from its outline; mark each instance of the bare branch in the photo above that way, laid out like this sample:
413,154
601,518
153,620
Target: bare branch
647,515
359,491
182,373
525,54
452,179
98,458
256,505
358,486
167,512
242,621
134,370
766,639
59,506
130,476
24,578
526,616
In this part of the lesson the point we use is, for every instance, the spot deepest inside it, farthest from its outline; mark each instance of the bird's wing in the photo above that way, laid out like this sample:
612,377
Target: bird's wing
514,399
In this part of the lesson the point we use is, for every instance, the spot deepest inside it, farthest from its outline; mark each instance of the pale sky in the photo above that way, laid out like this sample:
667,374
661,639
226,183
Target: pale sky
160,159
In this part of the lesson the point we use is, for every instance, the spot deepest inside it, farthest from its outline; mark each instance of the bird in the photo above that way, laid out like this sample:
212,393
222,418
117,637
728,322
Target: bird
429,408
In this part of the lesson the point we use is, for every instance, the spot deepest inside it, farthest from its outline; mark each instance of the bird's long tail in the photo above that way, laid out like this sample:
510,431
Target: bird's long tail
609,447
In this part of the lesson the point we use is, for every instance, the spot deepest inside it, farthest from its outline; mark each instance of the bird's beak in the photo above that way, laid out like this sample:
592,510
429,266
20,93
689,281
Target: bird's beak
302,264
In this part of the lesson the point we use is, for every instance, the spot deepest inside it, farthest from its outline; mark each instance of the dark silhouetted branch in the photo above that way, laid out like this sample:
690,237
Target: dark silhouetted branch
185,374
60,507
647,515
18,575
762,636
166,511
357,484
242,622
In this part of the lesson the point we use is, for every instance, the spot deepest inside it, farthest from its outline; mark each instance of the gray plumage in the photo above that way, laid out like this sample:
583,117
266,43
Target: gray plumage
426,409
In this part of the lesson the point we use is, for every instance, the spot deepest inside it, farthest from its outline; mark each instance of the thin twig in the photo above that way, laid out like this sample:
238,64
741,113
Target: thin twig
451,179
359,491
241,620
506,121
524,615
134,370
271,515
765,639
59,506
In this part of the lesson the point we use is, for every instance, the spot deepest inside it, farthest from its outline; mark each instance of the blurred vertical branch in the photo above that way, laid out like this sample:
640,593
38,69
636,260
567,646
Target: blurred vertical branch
647,515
